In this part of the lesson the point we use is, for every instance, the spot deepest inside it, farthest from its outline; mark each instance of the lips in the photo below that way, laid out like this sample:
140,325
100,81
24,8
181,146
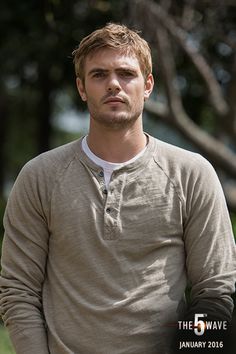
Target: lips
109,98
114,100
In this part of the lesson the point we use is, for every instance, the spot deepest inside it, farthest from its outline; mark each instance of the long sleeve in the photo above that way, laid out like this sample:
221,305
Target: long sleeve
24,256
209,245
87,267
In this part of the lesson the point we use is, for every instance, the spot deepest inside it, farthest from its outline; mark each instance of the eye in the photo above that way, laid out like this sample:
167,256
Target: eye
127,74
99,74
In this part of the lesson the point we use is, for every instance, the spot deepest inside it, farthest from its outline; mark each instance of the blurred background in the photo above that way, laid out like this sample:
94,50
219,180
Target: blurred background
194,62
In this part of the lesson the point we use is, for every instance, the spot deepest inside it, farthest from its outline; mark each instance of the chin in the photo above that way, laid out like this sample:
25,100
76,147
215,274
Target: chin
116,118
117,123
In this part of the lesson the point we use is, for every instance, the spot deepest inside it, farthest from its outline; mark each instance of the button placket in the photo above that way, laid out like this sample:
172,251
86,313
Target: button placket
112,225
108,210
105,191
101,180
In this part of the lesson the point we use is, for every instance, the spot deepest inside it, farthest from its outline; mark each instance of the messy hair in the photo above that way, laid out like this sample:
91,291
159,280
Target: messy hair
117,37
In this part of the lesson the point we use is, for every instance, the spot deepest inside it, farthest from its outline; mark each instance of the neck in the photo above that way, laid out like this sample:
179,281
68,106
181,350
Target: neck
116,145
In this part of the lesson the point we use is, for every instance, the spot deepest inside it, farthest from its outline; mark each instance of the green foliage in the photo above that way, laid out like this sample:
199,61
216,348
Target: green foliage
233,219
5,344
36,63
61,137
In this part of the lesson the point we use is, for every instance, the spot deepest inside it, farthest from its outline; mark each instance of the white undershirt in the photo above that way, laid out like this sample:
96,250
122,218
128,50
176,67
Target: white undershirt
108,167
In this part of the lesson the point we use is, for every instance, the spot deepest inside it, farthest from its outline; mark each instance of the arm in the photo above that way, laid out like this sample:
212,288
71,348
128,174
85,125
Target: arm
210,246
24,256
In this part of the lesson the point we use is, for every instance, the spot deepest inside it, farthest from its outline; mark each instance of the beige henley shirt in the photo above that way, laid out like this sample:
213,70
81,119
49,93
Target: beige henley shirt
86,270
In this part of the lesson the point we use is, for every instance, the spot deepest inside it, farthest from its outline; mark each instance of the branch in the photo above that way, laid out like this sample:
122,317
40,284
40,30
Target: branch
160,111
147,8
187,20
174,113
217,152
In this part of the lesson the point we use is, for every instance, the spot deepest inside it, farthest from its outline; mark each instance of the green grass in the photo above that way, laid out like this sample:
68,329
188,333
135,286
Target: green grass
5,345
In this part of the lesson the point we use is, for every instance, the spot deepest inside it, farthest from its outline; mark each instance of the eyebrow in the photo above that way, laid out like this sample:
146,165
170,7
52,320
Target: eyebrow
97,70
122,68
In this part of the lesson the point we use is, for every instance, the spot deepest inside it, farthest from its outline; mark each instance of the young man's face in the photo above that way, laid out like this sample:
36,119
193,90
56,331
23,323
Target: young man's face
114,88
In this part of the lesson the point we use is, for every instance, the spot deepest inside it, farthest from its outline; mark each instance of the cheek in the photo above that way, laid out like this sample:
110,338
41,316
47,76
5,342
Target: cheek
91,94
138,95
93,104
136,89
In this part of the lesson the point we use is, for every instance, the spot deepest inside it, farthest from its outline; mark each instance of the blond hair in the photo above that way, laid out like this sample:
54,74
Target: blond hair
113,36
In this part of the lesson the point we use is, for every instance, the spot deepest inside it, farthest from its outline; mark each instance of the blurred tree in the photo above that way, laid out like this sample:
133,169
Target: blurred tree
3,121
36,64
194,44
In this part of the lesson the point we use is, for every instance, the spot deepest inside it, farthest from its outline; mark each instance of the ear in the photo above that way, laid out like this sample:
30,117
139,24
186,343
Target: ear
81,89
148,86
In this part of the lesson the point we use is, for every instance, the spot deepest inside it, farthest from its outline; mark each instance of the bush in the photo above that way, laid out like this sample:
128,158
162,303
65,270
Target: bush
5,344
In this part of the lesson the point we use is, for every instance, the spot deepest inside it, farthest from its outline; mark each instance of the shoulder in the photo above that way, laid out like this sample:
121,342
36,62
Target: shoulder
58,157
189,172
176,161
55,160
42,172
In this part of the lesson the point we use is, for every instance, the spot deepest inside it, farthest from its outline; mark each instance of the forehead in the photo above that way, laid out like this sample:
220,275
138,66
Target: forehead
109,59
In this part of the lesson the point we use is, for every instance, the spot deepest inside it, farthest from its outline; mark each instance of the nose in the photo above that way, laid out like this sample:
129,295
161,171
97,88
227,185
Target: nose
113,84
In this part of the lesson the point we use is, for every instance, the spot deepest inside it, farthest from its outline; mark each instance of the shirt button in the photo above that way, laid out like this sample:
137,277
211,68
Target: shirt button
108,210
101,174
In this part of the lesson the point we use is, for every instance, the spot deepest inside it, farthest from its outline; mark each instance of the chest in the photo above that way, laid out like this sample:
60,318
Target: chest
143,206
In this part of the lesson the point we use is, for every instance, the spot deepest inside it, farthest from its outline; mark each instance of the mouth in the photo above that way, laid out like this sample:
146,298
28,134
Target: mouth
114,100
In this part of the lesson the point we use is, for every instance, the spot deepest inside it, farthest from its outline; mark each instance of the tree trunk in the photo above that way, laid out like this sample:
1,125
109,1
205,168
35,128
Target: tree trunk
44,111
3,132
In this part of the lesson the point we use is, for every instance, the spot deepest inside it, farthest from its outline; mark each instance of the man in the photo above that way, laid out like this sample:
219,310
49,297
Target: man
103,233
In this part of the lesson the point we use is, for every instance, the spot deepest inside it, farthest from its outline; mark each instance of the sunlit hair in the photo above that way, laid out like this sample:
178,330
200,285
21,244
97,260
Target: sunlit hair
117,37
